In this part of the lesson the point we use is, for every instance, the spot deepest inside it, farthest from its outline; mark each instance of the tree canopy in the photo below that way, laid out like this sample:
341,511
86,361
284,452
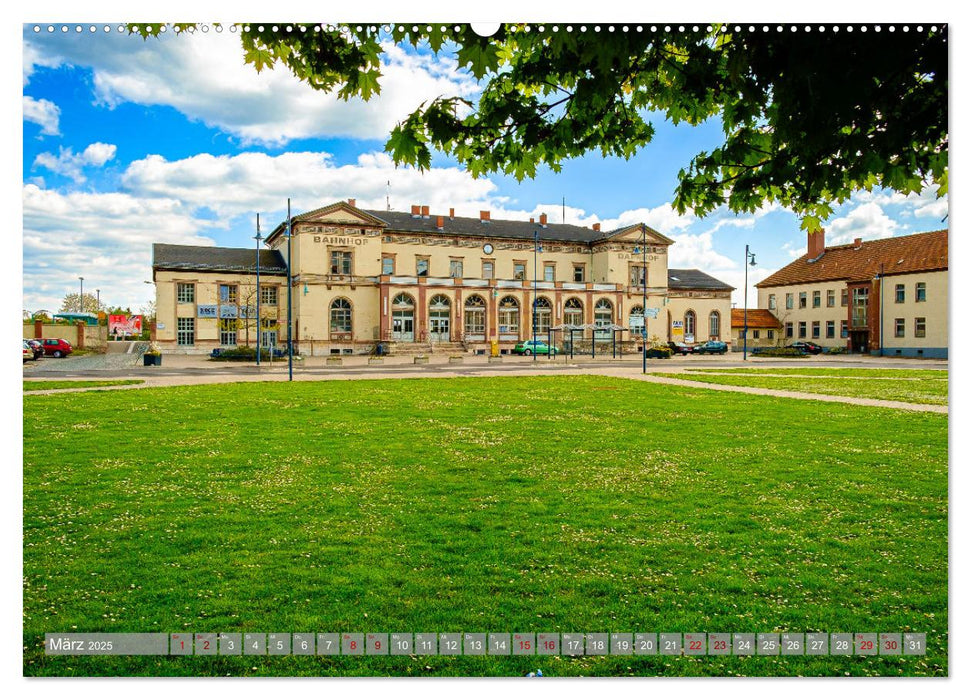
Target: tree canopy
808,116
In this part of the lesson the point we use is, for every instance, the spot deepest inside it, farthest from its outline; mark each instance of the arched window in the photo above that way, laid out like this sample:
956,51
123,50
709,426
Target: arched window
544,315
340,317
439,316
509,319
714,325
403,318
689,324
573,312
475,318
603,313
636,323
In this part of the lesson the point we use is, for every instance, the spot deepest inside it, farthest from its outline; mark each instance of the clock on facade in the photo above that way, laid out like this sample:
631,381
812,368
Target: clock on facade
487,249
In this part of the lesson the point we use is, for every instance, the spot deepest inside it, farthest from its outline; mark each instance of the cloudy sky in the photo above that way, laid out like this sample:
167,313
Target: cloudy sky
128,142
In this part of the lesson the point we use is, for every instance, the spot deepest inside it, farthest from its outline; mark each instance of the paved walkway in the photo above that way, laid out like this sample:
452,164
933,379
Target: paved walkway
197,371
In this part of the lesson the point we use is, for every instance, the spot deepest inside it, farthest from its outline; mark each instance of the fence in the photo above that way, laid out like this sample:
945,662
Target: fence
78,335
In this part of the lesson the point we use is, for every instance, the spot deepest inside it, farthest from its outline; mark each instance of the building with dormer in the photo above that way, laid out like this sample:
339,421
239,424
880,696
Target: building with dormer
431,281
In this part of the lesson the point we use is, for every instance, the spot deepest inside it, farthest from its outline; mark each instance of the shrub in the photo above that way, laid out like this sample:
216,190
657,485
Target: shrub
837,350
780,352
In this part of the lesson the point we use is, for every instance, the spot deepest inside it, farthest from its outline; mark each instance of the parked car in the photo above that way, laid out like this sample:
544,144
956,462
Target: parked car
37,348
55,347
533,347
807,347
28,352
680,348
712,347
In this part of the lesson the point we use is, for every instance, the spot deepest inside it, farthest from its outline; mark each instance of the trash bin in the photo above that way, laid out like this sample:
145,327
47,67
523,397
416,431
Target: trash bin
381,349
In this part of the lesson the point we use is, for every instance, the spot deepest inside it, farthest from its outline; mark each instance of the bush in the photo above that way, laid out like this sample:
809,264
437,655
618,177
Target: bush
837,350
779,352
240,354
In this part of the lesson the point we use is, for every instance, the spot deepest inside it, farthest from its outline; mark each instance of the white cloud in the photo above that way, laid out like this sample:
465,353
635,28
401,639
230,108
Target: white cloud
251,182
70,164
105,238
42,112
204,77
866,221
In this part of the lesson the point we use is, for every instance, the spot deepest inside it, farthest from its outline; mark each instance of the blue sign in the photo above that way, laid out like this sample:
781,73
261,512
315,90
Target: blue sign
206,311
227,311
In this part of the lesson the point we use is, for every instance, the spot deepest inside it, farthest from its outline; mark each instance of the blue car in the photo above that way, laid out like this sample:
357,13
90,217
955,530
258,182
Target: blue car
712,347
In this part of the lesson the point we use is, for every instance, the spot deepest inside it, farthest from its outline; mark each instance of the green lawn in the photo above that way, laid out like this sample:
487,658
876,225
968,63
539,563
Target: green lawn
76,384
911,386
866,372
570,504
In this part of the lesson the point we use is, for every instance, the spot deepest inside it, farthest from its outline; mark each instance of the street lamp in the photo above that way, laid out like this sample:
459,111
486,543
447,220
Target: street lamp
749,260
81,298
643,251
289,297
259,318
536,250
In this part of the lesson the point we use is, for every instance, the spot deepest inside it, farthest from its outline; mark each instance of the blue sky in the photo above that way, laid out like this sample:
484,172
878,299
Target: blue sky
128,142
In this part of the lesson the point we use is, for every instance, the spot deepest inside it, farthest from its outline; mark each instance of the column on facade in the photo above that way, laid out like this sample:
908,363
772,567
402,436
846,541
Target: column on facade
456,334
384,315
421,317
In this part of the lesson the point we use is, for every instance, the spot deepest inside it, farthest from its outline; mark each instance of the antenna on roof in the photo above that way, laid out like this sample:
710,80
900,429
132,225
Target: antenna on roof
388,196
563,216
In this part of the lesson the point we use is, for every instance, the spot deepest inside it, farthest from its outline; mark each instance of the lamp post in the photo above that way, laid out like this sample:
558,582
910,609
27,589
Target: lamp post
289,298
98,293
643,299
81,297
535,284
259,318
749,260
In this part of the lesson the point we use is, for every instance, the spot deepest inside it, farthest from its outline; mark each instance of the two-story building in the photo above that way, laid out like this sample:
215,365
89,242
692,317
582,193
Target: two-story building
886,296
417,279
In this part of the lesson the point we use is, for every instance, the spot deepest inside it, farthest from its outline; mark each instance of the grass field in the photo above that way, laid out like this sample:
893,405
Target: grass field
570,504
911,386
44,385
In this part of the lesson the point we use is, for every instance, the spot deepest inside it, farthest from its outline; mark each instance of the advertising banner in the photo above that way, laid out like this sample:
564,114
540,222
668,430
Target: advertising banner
120,324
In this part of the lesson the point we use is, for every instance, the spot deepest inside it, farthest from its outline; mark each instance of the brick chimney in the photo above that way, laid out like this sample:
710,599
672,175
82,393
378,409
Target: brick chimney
352,202
440,222
816,243
857,243
451,213
415,210
542,220
424,212
483,216
532,220
596,227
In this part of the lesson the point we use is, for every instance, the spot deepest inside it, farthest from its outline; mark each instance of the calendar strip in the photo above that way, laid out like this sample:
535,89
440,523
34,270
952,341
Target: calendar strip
686,644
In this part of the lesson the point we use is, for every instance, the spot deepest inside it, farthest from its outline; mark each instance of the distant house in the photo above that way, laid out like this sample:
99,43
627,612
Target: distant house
885,297
763,329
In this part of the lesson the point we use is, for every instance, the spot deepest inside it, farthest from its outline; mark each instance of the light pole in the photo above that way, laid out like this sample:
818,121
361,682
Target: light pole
289,298
81,297
259,318
535,284
643,299
98,292
749,260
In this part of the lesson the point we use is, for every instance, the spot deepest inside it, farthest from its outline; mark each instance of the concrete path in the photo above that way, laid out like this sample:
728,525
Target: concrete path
198,372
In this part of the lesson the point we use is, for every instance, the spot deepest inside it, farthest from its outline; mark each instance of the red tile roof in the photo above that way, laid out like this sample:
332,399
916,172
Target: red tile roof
919,252
757,318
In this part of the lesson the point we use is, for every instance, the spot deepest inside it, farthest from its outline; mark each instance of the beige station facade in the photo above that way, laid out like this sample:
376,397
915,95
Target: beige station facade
422,281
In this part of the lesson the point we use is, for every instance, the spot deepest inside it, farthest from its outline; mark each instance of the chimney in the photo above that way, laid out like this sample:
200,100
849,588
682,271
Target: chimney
483,216
542,220
451,213
440,222
415,210
857,243
424,212
816,243
352,202
596,227
532,220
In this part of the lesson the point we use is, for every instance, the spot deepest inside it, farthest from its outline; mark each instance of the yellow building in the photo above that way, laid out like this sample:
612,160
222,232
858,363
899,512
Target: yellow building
422,281
886,297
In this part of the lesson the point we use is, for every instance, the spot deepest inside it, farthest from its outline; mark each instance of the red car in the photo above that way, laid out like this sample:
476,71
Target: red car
56,347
